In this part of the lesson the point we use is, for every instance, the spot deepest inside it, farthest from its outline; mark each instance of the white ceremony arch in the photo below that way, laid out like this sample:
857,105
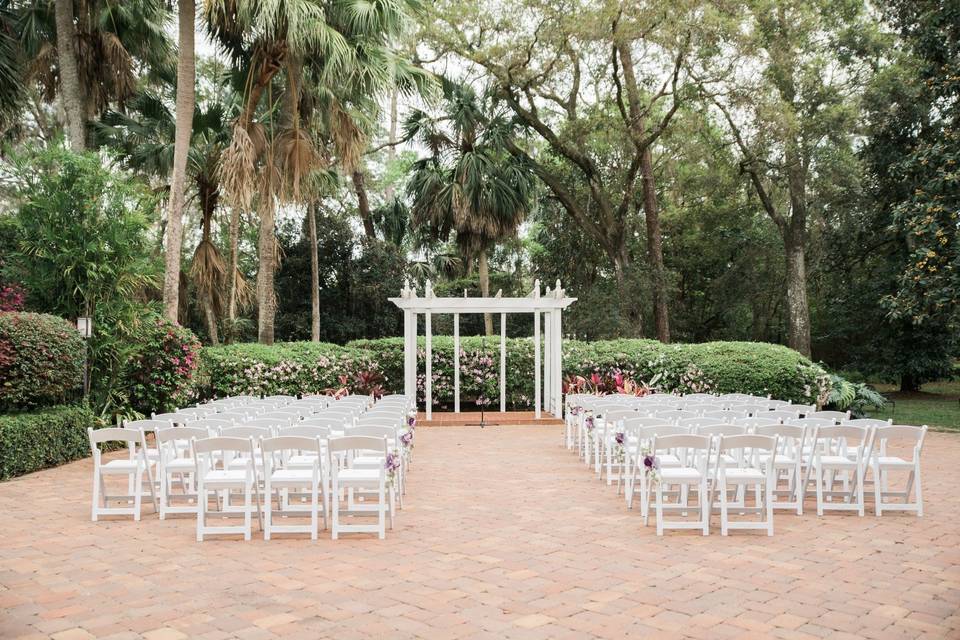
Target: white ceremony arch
547,308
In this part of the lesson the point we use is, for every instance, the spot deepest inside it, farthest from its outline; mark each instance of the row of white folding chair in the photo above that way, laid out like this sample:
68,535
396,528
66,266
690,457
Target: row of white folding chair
833,449
371,479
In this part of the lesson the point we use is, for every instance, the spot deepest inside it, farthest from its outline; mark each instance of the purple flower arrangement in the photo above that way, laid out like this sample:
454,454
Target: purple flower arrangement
406,439
392,465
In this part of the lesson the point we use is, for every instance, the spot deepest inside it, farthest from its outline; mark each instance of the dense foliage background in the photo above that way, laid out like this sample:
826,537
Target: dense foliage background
779,171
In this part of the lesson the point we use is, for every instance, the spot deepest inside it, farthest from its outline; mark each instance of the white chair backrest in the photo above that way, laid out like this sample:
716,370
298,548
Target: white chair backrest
867,422
674,414
174,434
803,409
756,421
839,438
246,432
722,430
113,434
778,404
693,423
783,414
147,425
648,433
726,416
901,432
810,423
174,417
750,409
269,423
357,443
699,396
288,444
210,423
836,416
373,431
307,431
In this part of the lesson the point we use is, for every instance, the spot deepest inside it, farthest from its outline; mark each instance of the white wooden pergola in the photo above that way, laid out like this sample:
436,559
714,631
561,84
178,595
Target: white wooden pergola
547,367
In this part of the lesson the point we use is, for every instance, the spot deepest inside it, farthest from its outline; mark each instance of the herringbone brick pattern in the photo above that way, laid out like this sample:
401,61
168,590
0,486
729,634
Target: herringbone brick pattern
504,535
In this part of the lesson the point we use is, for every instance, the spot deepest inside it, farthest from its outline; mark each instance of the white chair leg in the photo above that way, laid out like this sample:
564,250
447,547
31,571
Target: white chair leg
705,509
314,505
247,516
818,474
918,490
722,490
659,499
96,494
877,491
201,510
137,494
268,512
335,500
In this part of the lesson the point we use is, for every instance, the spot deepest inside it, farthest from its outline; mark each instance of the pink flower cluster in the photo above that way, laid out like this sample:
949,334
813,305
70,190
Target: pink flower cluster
12,297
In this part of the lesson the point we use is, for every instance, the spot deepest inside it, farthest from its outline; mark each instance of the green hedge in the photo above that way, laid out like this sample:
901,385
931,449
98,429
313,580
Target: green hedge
285,367
722,367
41,360
36,440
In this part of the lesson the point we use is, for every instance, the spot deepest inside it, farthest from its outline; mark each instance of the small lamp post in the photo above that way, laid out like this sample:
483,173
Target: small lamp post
85,327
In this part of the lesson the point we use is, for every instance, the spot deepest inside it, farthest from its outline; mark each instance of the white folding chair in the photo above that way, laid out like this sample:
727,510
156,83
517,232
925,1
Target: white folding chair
882,462
747,470
280,476
693,452
791,444
206,453
134,467
372,482
836,416
831,456
175,463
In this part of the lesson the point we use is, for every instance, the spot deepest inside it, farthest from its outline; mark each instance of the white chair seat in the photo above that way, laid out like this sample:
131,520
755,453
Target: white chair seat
679,473
743,475
221,478
291,476
367,462
180,465
120,466
893,461
359,475
668,460
837,461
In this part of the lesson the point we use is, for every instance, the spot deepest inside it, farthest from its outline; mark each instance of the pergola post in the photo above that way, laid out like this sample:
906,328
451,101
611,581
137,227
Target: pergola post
557,365
503,362
428,381
456,363
536,353
547,357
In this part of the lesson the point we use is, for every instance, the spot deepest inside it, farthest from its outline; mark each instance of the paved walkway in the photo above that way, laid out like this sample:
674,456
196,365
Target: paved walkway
504,535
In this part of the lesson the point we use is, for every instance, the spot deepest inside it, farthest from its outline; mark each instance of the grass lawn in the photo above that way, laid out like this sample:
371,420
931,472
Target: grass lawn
936,405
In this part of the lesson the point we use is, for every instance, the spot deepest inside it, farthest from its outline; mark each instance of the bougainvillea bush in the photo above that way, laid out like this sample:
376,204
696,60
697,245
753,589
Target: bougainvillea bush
41,360
161,373
289,368
720,367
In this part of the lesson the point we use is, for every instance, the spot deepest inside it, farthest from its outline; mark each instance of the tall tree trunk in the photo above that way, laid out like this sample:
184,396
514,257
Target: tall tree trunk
211,317
234,264
363,203
70,89
798,309
389,191
314,275
628,304
654,247
484,272
266,297
186,78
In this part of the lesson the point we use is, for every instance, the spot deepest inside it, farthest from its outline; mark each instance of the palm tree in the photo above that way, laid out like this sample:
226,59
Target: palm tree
469,184
69,75
93,54
314,52
186,80
144,135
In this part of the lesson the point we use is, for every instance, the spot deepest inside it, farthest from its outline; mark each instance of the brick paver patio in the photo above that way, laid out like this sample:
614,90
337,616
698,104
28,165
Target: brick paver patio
504,535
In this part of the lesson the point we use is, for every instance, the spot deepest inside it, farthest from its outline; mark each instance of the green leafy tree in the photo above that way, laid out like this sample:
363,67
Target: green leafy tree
82,248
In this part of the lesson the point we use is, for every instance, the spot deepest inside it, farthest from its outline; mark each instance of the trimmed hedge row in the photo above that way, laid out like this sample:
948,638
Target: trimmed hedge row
285,367
41,360
722,367
33,441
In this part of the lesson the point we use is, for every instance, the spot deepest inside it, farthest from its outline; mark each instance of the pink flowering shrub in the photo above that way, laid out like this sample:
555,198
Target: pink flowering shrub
161,375
12,297
41,360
